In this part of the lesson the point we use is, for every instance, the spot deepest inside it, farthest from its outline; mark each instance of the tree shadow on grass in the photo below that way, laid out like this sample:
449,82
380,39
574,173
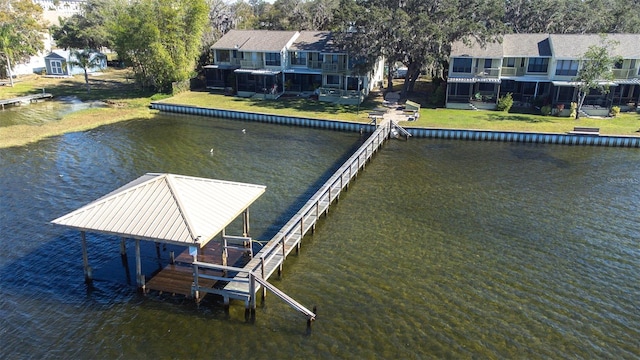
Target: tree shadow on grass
518,117
101,89
311,105
113,84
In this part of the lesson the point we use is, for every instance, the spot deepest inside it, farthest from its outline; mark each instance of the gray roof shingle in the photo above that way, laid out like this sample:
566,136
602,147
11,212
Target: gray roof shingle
476,50
526,45
254,40
562,46
319,41
575,45
512,45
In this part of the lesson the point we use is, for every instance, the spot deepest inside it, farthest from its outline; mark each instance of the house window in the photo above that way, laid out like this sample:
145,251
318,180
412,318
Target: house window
510,62
538,65
508,86
565,94
333,80
462,65
56,67
487,63
617,64
298,58
222,55
457,89
486,87
567,68
528,88
272,59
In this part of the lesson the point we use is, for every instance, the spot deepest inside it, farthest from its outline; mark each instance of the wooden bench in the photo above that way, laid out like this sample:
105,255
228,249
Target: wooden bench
376,115
581,130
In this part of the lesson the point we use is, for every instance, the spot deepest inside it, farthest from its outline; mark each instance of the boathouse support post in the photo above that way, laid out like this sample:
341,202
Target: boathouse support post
225,255
193,251
123,247
196,286
264,290
139,276
85,259
245,223
252,292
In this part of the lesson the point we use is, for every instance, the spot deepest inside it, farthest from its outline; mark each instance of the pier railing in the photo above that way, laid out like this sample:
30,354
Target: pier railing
271,257
244,283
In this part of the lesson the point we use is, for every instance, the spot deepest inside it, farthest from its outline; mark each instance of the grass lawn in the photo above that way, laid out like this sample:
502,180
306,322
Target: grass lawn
624,124
293,106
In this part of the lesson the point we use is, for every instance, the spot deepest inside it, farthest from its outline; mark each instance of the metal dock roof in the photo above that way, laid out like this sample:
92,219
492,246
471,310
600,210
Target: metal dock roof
166,208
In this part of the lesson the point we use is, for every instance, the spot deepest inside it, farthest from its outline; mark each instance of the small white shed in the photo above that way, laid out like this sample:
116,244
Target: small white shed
58,63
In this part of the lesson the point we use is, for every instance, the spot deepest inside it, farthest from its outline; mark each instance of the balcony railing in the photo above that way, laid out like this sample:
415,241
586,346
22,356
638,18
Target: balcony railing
249,64
487,72
235,62
624,73
513,71
334,67
315,64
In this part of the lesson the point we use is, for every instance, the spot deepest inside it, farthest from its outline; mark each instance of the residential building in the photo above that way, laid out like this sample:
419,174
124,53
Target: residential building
270,64
60,63
538,70
52,12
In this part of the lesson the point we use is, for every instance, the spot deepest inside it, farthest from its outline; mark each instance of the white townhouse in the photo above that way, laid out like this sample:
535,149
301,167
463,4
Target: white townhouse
538,70
269,64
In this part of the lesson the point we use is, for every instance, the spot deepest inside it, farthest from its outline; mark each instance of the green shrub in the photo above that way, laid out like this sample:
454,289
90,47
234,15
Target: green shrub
178,87
160,96
439,96
505,103
615,111
545,110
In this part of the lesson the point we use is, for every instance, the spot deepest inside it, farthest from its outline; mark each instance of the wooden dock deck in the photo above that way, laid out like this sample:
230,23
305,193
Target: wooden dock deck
177,278
271,257
25,99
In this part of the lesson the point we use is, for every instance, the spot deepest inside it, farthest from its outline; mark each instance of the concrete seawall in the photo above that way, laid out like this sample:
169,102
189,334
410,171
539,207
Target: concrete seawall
453,134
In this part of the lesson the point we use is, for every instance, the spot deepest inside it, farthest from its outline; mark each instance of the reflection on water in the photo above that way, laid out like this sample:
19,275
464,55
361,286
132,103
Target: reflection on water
440,249
42,112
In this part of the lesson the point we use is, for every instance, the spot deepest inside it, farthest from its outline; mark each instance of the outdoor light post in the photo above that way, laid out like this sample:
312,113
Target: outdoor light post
359,97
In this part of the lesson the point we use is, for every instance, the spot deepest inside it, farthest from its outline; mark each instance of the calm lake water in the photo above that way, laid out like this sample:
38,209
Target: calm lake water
439,249
44,111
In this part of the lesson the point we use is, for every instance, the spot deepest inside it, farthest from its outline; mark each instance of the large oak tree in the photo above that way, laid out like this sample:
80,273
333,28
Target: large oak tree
415,33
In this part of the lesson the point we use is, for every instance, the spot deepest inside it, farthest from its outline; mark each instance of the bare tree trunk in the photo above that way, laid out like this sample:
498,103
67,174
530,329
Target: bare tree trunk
390,64
86,80
9,70
581,96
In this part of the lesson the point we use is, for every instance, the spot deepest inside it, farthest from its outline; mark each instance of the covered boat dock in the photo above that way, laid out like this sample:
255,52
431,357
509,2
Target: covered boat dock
171,209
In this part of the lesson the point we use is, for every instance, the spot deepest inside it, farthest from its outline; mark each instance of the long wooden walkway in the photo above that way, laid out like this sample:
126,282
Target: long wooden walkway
271,257
24,99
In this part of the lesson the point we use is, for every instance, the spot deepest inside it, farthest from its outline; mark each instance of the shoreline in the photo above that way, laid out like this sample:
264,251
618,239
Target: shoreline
596,139
83,120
